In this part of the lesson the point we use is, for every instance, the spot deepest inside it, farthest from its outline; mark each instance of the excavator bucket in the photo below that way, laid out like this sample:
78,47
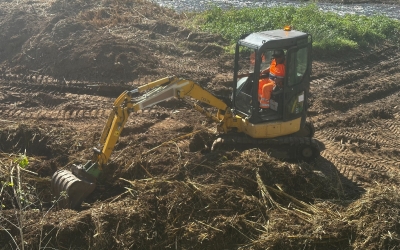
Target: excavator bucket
70,191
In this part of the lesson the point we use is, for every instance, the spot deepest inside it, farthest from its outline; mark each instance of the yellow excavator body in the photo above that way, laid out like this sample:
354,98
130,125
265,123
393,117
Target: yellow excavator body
242,122
265,130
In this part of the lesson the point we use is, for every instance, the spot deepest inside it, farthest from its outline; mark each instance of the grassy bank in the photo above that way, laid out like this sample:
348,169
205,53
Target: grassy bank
331,32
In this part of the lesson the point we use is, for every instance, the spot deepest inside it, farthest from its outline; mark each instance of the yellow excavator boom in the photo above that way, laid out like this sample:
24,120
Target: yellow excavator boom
80,181
158,91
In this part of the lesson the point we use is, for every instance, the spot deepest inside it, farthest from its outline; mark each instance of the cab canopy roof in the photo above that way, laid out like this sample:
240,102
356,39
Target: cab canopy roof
274,39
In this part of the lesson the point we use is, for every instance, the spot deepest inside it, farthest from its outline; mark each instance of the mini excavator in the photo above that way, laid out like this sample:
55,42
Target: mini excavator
283,125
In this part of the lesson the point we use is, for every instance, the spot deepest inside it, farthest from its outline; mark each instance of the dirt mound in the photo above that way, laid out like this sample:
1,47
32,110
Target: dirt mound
106,42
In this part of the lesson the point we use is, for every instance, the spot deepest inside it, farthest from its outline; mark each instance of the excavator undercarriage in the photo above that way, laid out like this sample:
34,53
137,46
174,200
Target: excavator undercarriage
286,148
296,147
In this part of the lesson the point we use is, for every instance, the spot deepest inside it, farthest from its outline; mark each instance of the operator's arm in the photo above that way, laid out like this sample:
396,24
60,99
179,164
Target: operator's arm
265,71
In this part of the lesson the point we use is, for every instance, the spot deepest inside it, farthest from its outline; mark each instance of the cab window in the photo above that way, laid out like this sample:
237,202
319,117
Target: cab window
298,66
246,63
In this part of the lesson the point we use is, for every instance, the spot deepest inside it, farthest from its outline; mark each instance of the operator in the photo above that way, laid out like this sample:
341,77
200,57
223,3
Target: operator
276,72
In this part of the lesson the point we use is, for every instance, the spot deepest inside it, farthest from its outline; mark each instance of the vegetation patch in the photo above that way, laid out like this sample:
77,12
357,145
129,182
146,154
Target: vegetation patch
331,32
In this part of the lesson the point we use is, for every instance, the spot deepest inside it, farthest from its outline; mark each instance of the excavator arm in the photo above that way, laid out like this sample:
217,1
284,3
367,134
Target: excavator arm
158,91
80,181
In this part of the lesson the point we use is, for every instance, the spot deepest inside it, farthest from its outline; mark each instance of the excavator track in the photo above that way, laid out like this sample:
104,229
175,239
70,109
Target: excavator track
286,148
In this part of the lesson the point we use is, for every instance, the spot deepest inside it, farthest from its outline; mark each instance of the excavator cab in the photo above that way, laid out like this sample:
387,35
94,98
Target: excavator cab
280,124
254,53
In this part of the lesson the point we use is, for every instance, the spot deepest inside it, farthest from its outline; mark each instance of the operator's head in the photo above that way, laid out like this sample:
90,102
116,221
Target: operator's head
278,54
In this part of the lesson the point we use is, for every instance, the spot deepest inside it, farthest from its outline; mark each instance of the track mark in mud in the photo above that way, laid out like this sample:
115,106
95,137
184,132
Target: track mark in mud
361,165
344,100
189,67
365,60
374,137
346,83
358,171
60,88
51,114
67,114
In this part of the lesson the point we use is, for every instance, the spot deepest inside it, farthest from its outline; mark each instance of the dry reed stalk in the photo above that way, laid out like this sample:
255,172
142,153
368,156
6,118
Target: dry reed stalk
302,207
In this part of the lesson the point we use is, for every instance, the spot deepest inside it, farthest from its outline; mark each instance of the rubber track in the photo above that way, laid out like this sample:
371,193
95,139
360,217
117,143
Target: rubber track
237,141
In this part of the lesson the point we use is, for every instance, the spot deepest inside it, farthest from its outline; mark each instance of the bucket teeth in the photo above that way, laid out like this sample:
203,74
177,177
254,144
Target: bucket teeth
70,191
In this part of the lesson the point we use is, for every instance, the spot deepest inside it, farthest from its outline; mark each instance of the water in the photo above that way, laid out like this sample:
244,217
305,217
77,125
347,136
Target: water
367,9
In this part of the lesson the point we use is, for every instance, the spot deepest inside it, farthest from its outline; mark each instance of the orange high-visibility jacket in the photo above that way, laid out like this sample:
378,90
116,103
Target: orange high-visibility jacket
265,86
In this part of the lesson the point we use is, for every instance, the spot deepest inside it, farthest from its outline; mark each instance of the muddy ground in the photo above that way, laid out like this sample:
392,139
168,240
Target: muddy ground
63,63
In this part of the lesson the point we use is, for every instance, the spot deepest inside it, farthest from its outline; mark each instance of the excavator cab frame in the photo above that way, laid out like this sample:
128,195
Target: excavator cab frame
288,103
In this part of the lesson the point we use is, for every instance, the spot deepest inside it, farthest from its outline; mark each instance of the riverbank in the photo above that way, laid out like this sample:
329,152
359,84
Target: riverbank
395,2
389,8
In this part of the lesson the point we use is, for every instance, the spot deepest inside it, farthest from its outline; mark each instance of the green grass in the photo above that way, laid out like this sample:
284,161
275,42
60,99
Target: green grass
331,32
